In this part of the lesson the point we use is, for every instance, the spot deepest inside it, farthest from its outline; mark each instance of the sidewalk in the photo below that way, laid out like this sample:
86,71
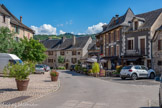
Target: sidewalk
40,85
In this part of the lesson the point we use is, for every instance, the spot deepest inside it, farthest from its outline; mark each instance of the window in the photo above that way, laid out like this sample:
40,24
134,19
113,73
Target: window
73,60
78,53
73,52
16,29
159,44
160,63
130,44
112,37
50,60
117,50
118,35
17,39
137,67
50,52
112,51
28,35
61,52
4,18
109,37
136,25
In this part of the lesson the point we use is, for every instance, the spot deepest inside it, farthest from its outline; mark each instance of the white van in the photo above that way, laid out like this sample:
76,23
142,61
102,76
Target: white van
6,58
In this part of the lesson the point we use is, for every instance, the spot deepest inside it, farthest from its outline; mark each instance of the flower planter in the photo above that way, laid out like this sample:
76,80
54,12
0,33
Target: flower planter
54,78
22,85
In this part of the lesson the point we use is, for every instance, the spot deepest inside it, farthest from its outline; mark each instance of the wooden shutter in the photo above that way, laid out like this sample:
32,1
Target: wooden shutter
159,44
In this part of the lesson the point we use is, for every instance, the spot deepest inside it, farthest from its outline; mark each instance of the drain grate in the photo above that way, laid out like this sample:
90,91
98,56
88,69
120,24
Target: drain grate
15,100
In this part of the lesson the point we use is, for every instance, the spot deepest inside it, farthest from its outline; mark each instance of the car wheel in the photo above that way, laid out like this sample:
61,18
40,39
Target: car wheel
152,76
123,78
134,76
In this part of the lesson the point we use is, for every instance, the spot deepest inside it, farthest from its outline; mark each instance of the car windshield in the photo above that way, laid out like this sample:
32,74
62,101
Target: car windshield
127,67
39,66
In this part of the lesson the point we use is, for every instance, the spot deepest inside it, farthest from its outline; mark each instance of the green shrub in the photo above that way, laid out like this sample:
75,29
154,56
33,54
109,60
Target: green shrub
61,68
19,71
95,68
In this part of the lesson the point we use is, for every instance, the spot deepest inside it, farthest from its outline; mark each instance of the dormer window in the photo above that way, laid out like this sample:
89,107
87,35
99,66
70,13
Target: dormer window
136,25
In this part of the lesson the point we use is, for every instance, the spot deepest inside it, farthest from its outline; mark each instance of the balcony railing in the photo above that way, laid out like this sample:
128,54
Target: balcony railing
137,52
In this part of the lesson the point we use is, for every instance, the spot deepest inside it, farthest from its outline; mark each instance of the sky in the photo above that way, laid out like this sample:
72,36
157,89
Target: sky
53,17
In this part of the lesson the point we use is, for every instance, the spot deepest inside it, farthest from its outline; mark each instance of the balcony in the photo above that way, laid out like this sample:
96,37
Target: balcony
137,52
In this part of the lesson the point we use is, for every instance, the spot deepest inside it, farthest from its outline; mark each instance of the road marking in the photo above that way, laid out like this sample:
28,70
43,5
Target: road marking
82,104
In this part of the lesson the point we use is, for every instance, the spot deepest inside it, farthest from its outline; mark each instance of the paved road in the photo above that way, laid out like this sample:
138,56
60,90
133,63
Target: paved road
79,91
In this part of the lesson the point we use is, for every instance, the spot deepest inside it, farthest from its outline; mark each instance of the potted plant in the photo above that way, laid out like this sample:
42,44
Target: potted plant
20,72
95,69
54,75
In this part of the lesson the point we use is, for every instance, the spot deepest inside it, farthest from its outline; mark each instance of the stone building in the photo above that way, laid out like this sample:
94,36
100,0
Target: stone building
111,39
127,39
7,19
138,37
73,50
157,50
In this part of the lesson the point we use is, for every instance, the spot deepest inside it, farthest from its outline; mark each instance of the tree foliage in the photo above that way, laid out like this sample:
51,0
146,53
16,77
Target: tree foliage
34,50
61,59
27,50
6,40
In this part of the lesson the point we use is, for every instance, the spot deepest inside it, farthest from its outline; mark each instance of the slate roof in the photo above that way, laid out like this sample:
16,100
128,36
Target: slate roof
13,19
67,44
120,21
50,44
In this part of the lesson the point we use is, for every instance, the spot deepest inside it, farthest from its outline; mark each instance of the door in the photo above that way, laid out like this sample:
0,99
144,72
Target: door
144,71
67,66
142,46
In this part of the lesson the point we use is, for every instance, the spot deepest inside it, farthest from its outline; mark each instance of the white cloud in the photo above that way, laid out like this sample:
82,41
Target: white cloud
95,28
81,33
45,29
62,32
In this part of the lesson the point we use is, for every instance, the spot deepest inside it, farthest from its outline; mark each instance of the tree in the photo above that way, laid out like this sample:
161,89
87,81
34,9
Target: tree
6,40
33,51
61,59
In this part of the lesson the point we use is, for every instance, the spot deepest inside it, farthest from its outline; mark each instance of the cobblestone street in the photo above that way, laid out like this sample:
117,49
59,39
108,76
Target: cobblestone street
40,85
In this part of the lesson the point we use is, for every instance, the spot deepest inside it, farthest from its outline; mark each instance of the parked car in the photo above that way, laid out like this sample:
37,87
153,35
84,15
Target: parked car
6,58
136,71
47,68
160,93
72,68
39,69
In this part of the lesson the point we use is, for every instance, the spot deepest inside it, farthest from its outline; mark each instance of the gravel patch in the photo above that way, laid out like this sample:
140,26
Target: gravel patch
39,85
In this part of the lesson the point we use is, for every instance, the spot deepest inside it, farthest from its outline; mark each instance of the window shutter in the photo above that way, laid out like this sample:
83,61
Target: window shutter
159,44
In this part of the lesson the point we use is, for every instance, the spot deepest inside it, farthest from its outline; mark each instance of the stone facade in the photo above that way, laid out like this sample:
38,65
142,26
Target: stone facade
134,44
72,51
157,52
7,19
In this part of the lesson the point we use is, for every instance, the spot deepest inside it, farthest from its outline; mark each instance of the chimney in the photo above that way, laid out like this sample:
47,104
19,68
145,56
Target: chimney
117,16
74,40
63,39
21,19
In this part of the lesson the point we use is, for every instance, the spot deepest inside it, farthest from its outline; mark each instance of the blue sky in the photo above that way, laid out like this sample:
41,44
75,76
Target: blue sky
77,16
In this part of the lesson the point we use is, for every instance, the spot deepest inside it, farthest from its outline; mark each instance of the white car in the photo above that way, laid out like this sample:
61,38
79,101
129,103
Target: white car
39,69
136,71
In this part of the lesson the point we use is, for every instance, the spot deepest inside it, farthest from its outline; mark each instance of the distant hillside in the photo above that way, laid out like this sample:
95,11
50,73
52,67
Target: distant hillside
68,35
